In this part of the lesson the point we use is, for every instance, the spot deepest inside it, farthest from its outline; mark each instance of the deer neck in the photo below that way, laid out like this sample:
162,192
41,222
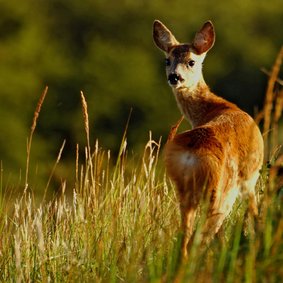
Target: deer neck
196,103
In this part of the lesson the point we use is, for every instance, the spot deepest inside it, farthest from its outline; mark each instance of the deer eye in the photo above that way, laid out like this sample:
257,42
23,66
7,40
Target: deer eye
167,62
191,63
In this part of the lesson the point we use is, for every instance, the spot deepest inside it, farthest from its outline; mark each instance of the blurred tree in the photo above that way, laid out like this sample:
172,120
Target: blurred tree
106,50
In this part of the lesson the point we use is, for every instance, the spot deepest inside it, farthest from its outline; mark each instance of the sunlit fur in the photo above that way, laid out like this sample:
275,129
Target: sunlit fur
220,158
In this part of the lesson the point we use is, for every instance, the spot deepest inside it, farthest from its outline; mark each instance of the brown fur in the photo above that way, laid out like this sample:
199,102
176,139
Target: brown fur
221,156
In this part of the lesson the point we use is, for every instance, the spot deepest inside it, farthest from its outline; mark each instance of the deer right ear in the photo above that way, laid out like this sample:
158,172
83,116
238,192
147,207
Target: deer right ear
163,37
204,39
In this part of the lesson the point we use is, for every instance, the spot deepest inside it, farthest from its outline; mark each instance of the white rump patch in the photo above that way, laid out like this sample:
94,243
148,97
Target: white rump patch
188,160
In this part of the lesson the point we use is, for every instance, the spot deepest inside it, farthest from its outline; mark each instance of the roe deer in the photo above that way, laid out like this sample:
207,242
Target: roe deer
220,158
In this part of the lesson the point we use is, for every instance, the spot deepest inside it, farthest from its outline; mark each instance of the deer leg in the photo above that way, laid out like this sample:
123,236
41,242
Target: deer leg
188,218
211,227
217,215
249,190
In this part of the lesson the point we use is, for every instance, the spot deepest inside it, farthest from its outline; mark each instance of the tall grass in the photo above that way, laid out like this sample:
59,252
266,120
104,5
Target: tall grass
122,224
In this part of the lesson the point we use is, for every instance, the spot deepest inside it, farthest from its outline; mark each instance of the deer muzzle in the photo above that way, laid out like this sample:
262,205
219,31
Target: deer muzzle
174,78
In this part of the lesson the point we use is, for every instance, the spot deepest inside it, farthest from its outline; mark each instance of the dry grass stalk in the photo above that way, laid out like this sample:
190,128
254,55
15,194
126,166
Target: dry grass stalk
278,106
34,122
276,175
54,168
17,242
86,119
278,80
39,230
277,116
77,164
174,129
269,99
88,150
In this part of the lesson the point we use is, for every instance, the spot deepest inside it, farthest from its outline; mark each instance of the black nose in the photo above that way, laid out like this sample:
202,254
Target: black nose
173,79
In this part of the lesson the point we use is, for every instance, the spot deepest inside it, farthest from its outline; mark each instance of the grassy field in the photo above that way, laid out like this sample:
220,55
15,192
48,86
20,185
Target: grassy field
121,223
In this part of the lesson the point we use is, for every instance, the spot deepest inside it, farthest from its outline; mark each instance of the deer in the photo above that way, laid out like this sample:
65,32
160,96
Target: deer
219,159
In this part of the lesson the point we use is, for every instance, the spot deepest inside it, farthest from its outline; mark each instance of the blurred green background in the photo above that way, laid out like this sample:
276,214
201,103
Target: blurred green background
105,49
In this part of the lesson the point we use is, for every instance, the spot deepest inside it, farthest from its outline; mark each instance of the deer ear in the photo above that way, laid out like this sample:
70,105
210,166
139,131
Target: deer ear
204,39
163,37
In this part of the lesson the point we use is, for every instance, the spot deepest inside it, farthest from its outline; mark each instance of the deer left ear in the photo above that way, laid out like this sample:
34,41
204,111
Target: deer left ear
163,37
204,39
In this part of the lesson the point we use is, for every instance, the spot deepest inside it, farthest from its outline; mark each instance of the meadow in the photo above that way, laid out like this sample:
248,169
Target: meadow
121,221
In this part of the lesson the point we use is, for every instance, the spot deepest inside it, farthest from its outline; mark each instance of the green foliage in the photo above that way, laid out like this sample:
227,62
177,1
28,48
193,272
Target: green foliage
106,50
122,225
121,222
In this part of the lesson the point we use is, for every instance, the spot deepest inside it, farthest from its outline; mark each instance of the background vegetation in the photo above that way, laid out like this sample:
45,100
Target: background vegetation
106,50
122,222
87,214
